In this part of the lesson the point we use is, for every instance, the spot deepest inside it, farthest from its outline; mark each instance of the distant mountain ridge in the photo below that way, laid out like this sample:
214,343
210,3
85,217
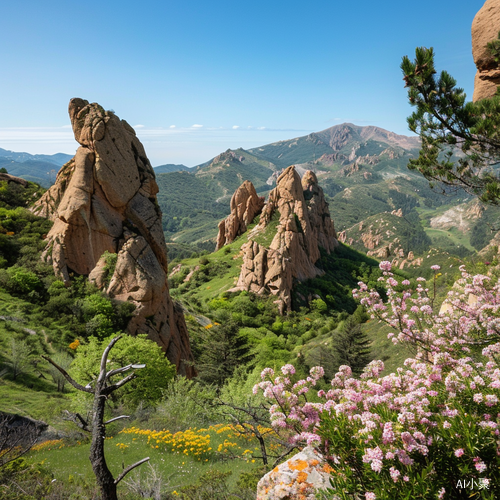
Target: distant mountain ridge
170,167
36,168
342,156
58,159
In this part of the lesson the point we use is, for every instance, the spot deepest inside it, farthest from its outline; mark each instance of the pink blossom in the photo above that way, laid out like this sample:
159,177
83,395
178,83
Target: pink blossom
288,369
394,474
408,413
480,466
385,265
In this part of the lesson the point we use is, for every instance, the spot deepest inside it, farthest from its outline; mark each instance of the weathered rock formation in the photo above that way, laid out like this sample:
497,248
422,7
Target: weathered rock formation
104,200
300,477
485,28
245,205
319,214
13,178
462,217
284,246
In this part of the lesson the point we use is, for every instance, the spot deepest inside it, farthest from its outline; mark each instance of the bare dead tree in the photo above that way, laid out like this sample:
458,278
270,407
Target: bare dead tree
102,389
253,421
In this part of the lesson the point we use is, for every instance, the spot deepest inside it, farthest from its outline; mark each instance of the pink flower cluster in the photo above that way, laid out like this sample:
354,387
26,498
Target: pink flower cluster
469,315
441,395
291,409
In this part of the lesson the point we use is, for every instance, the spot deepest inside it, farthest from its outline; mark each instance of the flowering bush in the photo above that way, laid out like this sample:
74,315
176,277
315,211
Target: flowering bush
217,442
430,430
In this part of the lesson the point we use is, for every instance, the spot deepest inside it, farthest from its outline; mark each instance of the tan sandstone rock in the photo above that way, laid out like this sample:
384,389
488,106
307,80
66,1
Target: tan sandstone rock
104,200
245,205
284,246
485,28
13,178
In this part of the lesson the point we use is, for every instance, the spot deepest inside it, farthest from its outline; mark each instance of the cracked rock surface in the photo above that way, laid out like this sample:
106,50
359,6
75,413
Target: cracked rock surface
485,28
104,200
285,245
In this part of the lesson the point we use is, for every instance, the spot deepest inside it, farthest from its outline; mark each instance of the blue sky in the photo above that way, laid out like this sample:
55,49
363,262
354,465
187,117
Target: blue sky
197,77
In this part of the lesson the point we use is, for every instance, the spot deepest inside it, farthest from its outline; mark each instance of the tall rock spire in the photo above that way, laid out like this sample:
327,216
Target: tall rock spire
485,29
104,200
285,245
245,205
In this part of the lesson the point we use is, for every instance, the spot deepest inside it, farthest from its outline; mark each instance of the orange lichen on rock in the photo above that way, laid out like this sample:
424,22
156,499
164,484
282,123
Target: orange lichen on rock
302,477
326,468
299,478
298,465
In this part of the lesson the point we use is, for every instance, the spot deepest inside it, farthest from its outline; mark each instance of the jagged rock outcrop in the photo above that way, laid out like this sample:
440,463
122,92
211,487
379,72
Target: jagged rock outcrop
319,214
284,246
104,200
462,217
245,205
13,178
485,28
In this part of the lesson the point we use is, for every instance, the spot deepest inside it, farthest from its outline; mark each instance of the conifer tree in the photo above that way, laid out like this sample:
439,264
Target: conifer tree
351,346
222,349
460,140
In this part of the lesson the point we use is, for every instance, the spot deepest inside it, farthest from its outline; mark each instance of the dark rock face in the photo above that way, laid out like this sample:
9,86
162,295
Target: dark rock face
304,225
245,205
104,199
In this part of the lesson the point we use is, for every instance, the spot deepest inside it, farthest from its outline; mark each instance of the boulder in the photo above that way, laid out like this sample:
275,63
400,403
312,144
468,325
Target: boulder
284,246
13,178
485,28
104,200
299,478
245,205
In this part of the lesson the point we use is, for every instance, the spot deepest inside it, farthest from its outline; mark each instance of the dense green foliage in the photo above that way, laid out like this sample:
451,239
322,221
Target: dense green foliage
447,123
150,382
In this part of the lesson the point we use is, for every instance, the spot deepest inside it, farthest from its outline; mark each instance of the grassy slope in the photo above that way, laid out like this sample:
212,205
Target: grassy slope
33,393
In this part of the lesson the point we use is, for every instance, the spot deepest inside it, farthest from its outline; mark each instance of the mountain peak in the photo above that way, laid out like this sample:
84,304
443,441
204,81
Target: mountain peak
339,135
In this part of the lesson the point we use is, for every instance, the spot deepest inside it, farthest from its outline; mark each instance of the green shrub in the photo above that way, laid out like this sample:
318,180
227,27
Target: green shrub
21,281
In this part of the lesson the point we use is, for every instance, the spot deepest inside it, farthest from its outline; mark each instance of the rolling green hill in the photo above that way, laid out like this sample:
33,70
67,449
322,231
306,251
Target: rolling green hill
41,169
170,167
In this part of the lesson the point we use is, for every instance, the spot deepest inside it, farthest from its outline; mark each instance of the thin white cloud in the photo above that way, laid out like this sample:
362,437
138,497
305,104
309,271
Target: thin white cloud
261,128
196,125
38,140
172,126
139,126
